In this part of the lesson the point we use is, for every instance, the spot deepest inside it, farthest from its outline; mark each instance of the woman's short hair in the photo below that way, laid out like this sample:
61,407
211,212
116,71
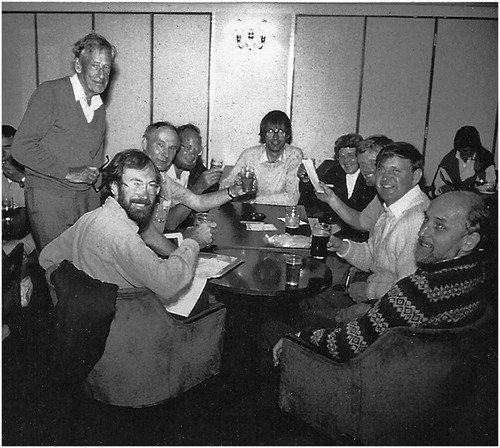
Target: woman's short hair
90,42
129,158
467,137
347,141
402,150
278,118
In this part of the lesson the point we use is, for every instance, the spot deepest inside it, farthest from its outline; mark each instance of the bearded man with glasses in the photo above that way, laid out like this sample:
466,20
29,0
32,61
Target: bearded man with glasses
275,163
106,243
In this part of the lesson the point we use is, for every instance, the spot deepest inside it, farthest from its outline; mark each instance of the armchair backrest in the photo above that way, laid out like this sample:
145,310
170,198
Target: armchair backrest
404,389
151,356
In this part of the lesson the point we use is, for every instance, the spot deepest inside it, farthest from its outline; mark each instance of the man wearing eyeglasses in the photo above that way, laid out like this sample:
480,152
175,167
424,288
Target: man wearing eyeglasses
275,162
189,171
161,142
105,243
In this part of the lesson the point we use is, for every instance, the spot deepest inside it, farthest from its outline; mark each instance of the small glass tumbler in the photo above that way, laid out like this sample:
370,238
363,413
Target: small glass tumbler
247,179
292,219
293,265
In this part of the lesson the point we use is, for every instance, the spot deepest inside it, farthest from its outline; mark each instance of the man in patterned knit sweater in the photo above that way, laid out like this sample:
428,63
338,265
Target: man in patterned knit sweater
444,292
61,141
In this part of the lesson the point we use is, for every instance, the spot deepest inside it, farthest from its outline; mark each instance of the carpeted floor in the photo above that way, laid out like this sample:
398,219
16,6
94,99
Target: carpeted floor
226,410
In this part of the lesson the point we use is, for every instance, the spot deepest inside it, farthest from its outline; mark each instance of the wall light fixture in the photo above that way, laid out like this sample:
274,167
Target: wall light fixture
252,37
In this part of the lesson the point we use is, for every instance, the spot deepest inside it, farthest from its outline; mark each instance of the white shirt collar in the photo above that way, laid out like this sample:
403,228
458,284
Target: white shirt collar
263,156
79,93
402,204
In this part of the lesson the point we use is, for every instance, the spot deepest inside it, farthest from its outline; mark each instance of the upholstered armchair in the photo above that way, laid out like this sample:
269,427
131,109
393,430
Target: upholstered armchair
405,389
151,356
131,350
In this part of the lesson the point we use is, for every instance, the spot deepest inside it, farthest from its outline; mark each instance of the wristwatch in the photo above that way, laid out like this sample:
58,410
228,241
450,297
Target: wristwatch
21,182
229,193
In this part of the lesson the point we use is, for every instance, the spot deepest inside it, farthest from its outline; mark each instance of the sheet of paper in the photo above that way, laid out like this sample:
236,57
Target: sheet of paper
259,226
184,301
313,176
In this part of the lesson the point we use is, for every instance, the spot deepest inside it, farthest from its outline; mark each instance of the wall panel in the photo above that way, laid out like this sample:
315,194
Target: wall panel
57,34
396,78
18,65
128,94
181,52
328,54
245,84
465,89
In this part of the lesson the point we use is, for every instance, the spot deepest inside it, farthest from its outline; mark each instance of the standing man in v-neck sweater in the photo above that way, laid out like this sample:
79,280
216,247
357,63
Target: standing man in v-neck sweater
61,141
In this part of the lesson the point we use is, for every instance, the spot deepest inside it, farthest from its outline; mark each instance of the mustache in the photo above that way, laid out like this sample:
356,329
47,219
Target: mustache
141,201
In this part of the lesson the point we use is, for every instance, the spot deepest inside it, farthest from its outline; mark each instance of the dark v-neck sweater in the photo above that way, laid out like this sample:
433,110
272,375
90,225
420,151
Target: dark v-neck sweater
54,136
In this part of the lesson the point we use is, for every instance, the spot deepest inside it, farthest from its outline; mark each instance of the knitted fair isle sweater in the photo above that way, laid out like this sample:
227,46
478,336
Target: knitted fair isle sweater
447,294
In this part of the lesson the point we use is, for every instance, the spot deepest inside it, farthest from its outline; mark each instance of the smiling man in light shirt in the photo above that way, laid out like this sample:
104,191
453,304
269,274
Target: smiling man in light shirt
61,141
389,251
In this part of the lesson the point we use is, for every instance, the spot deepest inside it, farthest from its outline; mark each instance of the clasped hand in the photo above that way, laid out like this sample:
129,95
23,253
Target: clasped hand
203,234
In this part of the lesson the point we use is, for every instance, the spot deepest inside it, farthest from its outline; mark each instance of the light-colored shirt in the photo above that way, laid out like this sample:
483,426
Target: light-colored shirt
105,244
350,180
183,180
277,182
80,97
389,251
370,214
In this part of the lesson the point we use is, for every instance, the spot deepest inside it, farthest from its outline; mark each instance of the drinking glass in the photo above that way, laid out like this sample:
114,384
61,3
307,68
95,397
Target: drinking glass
292,220
293,265
247,179
320,235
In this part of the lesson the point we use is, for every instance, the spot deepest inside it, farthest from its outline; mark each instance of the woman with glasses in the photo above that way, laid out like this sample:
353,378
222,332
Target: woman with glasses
275,163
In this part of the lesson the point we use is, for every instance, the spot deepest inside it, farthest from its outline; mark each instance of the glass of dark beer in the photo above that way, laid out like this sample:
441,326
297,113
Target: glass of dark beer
320,235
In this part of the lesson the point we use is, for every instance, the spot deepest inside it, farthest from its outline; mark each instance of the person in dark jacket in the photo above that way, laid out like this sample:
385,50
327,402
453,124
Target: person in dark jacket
467,163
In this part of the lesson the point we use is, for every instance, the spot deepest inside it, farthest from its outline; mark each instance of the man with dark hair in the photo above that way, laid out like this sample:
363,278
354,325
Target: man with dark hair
468,162
344,177
275,162
388,253
105,243
61,141
189,171
445,291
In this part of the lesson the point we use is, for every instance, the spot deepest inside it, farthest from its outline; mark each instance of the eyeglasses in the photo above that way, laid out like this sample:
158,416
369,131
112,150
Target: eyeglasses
186,148
137,186
271,132
100,169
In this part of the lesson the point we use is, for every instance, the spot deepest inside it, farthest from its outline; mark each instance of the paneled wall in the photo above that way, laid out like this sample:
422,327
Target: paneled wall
412,72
